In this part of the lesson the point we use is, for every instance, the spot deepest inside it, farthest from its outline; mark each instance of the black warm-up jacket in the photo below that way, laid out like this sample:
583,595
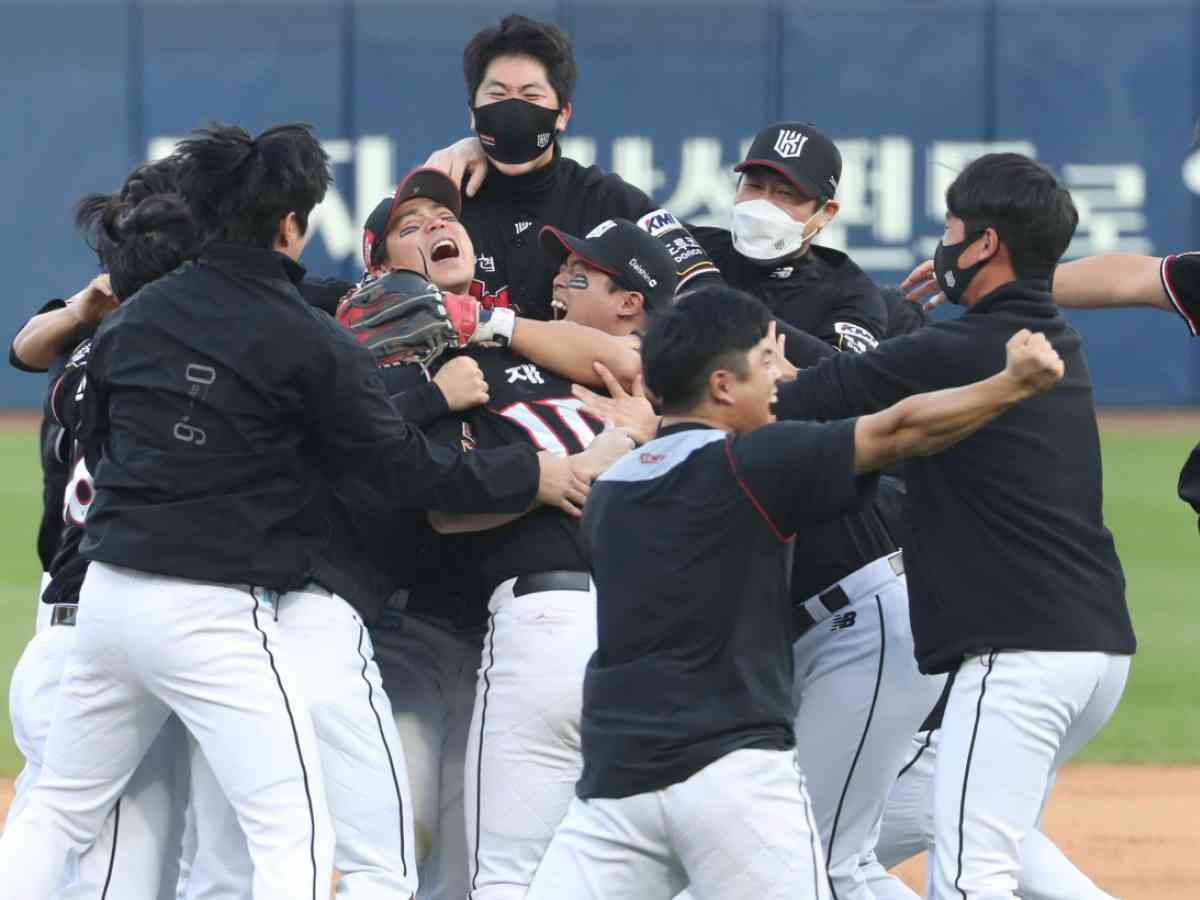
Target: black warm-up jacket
1008,545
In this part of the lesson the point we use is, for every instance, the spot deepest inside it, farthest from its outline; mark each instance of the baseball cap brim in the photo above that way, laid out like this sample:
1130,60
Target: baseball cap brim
560,245
803,184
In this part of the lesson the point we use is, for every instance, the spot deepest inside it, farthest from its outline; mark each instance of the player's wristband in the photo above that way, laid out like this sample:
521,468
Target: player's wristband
495,324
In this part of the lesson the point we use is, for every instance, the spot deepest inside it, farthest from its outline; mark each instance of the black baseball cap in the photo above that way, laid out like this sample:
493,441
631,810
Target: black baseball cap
431,183
632,257
800,153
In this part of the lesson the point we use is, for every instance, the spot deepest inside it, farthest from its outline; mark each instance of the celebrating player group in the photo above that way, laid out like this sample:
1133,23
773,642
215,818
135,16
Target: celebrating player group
572,552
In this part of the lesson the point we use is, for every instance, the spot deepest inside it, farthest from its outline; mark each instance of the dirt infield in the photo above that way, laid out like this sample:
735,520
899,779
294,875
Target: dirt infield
1133,829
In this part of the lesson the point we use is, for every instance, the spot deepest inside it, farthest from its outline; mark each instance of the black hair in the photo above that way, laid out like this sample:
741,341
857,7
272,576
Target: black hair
239,187
158,177
1033,214
710,328
139,238
521,36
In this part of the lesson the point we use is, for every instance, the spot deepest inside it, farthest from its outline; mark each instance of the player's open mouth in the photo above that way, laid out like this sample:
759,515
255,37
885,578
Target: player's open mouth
443,250
557,304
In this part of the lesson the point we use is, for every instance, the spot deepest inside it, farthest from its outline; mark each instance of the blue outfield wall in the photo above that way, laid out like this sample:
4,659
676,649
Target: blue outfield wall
669,94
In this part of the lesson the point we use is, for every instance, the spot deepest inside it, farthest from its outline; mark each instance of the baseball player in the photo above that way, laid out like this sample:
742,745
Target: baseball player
520,78
137,852
859,695
689,773
428,639
203,513
1015,582
523,749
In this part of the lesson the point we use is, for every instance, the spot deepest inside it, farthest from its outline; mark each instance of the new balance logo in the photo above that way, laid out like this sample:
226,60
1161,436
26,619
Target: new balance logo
522,226
789,143
845,620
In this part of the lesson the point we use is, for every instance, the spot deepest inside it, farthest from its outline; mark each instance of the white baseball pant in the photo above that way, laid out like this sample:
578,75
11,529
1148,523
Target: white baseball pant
1012,719
859,697
907,829
524,754
216,863
429,670
147,645
366,780
136,853
739,829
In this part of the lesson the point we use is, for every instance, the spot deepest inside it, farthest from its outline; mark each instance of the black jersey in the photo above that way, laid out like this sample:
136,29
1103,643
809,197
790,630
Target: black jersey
822,292
1009,547
533,406
690,538
1181,280
55,448
505,217
65,405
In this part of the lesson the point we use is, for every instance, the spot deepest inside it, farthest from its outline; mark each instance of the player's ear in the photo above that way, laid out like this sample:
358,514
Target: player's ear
287,232
564,116
829,213
720,387
632,303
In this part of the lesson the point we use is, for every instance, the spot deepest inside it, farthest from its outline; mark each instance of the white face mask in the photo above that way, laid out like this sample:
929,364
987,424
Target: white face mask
765,233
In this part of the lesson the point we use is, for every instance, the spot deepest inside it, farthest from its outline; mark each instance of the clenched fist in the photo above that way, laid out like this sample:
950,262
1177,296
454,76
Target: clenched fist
462,383
1032,363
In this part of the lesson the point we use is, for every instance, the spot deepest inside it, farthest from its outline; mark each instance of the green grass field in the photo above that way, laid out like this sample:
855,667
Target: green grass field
1159,720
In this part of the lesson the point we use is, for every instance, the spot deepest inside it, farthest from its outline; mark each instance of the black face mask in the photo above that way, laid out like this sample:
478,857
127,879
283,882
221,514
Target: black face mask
514,131
950,278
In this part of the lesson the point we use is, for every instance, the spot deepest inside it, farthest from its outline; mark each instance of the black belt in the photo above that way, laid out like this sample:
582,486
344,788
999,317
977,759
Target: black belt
63,614
552,581
833,600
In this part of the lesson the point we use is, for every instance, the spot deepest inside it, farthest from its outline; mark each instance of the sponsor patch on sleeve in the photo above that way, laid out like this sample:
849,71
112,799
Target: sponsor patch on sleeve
854,338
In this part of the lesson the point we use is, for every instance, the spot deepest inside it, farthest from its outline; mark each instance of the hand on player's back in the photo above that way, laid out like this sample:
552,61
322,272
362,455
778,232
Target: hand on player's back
95,301
462,383
1032,363
559,484
631,412
609,446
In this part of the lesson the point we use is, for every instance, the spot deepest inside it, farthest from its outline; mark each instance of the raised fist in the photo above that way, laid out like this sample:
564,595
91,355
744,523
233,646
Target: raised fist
1032,363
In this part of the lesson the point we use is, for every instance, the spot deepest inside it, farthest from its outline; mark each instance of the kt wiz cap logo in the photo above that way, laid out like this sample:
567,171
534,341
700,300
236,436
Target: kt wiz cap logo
789,143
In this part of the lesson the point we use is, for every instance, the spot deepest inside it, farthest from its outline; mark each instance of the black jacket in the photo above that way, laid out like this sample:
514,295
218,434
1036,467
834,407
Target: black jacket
507,214
227,412
822,292
1009,548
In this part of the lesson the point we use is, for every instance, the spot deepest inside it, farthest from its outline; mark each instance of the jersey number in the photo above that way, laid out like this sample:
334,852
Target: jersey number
552,423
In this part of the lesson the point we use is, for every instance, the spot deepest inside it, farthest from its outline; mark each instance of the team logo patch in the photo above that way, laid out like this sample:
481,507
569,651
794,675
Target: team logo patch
854,338
485,263
543,140
650,459
789,144
950,279
606,225
522,226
